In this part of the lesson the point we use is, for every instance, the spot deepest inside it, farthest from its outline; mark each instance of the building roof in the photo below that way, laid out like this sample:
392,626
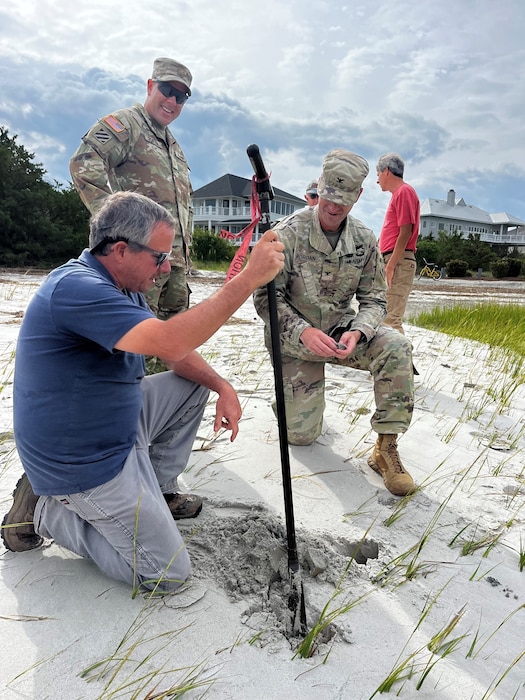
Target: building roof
504,218
441,208
234,186
465,212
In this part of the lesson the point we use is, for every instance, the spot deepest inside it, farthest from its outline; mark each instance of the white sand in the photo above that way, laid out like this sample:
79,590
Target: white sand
230,626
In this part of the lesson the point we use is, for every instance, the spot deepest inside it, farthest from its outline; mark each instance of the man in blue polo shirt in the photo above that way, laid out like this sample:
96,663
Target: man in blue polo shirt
102,445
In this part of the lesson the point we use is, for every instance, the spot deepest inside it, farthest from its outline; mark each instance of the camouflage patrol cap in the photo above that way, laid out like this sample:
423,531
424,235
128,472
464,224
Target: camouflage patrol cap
342,177
167,70
312,187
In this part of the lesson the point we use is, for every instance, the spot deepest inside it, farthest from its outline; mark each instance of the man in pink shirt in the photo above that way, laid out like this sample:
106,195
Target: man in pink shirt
397,242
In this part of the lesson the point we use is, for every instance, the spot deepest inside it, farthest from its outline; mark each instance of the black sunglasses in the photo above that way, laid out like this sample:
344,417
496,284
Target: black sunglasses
313,196
159,257
168,90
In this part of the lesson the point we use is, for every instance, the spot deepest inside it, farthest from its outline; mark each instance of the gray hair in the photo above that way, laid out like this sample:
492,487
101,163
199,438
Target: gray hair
393,162
125,216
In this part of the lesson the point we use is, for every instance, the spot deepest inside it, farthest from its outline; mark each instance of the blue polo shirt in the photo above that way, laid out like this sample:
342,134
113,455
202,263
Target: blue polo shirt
77,400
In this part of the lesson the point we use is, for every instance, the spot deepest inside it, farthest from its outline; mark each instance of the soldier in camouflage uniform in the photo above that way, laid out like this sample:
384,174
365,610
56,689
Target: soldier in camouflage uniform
133,150
330,258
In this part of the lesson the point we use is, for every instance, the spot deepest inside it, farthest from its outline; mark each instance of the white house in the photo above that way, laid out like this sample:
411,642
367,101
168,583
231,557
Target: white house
454,214
225,204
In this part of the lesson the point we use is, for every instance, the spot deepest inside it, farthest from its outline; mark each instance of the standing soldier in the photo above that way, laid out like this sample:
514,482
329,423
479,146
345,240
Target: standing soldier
133,149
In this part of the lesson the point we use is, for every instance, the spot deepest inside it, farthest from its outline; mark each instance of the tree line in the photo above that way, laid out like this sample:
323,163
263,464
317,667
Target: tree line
465,256
41,224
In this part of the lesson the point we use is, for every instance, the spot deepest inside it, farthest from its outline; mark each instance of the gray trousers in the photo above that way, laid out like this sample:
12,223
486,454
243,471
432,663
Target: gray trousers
125,526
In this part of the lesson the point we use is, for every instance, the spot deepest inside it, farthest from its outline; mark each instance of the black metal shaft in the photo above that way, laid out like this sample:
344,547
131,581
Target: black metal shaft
265,194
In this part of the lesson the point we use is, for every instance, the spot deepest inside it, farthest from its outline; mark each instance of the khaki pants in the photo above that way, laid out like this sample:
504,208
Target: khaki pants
397,294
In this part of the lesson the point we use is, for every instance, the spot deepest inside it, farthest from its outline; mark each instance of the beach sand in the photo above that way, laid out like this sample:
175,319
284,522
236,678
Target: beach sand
382,576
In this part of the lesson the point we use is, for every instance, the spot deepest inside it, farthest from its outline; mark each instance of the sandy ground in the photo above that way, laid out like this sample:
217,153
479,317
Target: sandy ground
385,576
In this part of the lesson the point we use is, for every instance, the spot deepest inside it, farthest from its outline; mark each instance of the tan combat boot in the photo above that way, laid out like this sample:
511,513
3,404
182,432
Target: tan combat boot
385,460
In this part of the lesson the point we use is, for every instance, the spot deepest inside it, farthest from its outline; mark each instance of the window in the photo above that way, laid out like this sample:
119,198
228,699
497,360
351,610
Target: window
226,203
209,202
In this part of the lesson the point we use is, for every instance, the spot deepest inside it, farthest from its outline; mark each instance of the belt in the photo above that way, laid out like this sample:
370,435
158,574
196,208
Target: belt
407,250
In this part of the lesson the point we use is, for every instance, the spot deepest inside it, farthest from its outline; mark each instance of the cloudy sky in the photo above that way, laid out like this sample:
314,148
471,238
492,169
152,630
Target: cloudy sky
441,82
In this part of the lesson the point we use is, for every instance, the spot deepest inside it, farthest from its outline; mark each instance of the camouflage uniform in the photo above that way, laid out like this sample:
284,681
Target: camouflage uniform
316,289
129,151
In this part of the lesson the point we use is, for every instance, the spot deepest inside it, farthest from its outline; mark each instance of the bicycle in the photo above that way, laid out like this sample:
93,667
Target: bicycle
430,270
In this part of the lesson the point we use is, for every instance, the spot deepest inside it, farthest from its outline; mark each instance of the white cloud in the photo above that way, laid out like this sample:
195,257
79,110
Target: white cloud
440,82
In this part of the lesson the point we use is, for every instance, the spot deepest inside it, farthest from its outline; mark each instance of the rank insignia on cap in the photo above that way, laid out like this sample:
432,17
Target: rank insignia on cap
114,124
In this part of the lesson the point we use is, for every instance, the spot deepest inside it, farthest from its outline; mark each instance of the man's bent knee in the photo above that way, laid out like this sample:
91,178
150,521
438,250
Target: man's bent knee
175,575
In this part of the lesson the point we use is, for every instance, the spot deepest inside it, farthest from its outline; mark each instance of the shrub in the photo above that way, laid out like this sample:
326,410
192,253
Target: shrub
500,268
457,268
515,266
208,246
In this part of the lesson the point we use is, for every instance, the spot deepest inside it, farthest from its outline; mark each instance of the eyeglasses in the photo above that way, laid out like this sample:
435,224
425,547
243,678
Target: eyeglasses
159,257
168,90
313,196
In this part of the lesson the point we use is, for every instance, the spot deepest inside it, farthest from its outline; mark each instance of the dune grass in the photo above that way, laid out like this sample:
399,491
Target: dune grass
211,265
495,324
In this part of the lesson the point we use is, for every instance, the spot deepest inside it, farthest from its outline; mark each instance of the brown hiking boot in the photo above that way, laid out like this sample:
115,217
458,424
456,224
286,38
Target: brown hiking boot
385,460
183,505
18,532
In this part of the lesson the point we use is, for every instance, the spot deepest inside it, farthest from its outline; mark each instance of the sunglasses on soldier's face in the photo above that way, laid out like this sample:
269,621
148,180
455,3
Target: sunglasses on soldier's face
168,90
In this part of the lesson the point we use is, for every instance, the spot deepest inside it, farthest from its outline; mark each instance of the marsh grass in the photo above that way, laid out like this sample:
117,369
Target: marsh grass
419,663
468,545
407,565
490,691
521,555
441,645
137,669
331,612
400,507
7,370
494,324
137,666
212,265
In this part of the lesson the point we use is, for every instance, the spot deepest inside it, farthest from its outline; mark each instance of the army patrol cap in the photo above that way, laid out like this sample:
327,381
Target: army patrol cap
166,70
342,177
312,187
